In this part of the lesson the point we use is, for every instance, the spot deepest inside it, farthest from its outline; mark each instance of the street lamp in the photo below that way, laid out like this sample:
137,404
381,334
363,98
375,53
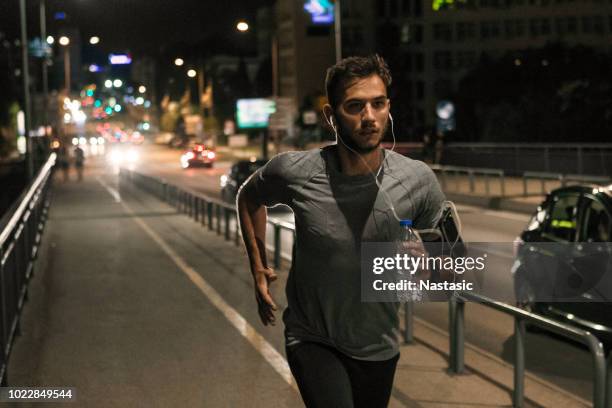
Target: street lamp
142,89
94,40
242,26
191,73
117,83
50,40
65,41
179,62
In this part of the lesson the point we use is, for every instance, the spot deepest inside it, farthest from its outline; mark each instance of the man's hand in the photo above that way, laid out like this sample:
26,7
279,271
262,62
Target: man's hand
265,304
417,249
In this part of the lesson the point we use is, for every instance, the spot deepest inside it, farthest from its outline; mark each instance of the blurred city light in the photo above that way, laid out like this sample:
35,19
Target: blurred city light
119,59
142,89
94,68
50,40
139,100
179,62
242,26
94,40
147,104
82,140
64,40
108,83
117,108
191,73
117,83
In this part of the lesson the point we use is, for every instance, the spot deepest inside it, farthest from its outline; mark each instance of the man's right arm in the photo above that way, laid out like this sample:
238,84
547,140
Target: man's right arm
253,219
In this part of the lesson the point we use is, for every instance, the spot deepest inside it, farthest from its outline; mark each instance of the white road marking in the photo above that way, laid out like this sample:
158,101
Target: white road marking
267,351
114,193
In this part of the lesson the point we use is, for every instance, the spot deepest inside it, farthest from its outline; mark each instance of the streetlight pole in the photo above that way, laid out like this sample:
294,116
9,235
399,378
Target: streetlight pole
338,30
65,42
26,88
45,77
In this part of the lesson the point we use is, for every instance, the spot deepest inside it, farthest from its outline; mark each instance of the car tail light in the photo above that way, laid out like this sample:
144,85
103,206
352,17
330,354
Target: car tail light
189,155
516,246
211,155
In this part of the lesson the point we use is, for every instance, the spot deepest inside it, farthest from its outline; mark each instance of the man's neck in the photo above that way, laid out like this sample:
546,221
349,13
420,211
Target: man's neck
351,164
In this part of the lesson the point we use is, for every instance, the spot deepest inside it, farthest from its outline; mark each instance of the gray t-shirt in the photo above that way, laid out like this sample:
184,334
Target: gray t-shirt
334,213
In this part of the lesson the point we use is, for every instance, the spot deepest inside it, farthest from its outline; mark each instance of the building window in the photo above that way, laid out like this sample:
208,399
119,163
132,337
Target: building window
419,62
405,33
489,29
514,28
587,24
420,90
393,8
418,8
598,25
418,34
466,59
442,60
539,27
443,32
466,31
443,88
406,8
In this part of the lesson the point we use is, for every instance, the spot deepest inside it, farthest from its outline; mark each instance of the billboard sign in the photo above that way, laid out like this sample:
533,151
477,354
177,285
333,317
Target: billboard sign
321,11
254,113
120,59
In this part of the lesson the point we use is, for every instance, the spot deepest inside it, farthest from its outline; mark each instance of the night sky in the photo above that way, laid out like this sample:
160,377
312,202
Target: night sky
140,26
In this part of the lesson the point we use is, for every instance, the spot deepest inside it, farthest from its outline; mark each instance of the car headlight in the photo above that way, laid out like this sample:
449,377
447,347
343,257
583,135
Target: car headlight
223,180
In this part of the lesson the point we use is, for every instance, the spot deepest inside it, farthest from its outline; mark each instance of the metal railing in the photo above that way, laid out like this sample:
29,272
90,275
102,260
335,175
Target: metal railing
457,343
19,244
213,213
514,158
562,179
471,173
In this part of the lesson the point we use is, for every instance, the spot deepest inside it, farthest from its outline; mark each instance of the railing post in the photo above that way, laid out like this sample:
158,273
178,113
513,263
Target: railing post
609,383
456,315
409,322
524,185
203,210
218,217
209,210
471,178
502,180
599,381
543,181
196,208
226,219
277,246
519,362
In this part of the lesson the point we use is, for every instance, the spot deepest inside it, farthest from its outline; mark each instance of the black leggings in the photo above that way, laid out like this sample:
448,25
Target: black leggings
327,378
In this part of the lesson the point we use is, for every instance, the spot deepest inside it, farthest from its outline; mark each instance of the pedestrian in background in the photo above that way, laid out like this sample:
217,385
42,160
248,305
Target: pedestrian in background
79,160
63,161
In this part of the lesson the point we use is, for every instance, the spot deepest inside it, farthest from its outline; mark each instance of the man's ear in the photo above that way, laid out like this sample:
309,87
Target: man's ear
328,113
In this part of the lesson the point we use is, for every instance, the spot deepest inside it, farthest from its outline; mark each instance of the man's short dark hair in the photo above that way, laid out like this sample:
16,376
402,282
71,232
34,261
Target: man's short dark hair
350,69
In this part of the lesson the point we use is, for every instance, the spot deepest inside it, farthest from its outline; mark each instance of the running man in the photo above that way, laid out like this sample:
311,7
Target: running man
341,351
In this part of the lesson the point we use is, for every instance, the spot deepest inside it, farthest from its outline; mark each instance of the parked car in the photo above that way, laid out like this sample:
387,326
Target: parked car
239,172
563,259
198,154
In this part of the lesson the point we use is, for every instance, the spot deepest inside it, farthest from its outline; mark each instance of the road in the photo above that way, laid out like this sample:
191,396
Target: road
559,362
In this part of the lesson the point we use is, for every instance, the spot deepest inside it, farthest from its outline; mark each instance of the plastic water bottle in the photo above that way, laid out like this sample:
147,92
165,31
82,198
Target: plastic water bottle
406,236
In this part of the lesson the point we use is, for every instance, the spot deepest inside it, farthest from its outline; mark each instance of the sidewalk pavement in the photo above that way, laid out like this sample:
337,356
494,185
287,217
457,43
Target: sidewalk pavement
136,305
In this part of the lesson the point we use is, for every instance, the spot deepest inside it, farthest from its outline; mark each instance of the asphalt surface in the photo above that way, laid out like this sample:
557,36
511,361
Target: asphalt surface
555,360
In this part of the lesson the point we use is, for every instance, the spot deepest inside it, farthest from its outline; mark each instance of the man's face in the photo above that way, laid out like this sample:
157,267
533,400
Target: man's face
363,114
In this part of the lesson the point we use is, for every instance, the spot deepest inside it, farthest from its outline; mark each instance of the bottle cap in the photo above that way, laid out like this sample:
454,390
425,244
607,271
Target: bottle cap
406,223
